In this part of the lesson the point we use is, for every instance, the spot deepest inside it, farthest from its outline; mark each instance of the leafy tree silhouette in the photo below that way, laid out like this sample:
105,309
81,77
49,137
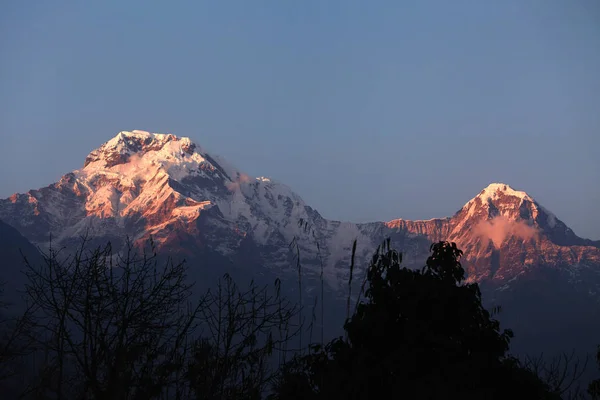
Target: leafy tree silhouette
420,334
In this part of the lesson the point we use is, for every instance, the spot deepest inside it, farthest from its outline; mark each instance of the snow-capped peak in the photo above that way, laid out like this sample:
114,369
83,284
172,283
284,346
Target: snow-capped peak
138,172
494,190
500,198
125,144
141,155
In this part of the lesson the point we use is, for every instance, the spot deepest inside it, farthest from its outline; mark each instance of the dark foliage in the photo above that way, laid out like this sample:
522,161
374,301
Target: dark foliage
594,387
101,325
562,373
243,333
422,334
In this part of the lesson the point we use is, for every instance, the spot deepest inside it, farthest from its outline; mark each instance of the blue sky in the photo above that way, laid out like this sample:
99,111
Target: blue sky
370,110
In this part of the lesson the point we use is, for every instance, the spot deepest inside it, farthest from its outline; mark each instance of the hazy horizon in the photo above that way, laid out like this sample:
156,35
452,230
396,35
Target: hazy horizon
368,112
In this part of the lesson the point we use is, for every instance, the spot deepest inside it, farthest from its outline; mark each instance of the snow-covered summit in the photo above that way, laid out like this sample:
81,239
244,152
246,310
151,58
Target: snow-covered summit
502,198
499,200
125,145
140,155
165,178
143,166
494,190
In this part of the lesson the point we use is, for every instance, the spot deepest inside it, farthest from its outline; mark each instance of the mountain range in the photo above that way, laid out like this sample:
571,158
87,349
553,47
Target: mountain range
198,206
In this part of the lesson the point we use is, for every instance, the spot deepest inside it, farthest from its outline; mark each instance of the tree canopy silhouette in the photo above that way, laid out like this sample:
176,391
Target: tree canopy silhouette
418,333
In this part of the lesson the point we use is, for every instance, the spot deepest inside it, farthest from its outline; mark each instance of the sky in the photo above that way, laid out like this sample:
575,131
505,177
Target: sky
369,110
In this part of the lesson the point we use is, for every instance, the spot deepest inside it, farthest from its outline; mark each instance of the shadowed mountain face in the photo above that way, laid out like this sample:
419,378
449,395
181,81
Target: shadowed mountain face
197,206
14,250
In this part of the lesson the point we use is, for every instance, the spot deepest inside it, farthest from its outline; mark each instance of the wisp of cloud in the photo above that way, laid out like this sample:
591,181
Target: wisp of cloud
499,228
235,185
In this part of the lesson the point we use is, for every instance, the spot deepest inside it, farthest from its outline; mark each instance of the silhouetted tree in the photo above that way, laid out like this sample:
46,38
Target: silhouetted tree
123,326
594,386
561,373
109,326
243,333
418,334
15,344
